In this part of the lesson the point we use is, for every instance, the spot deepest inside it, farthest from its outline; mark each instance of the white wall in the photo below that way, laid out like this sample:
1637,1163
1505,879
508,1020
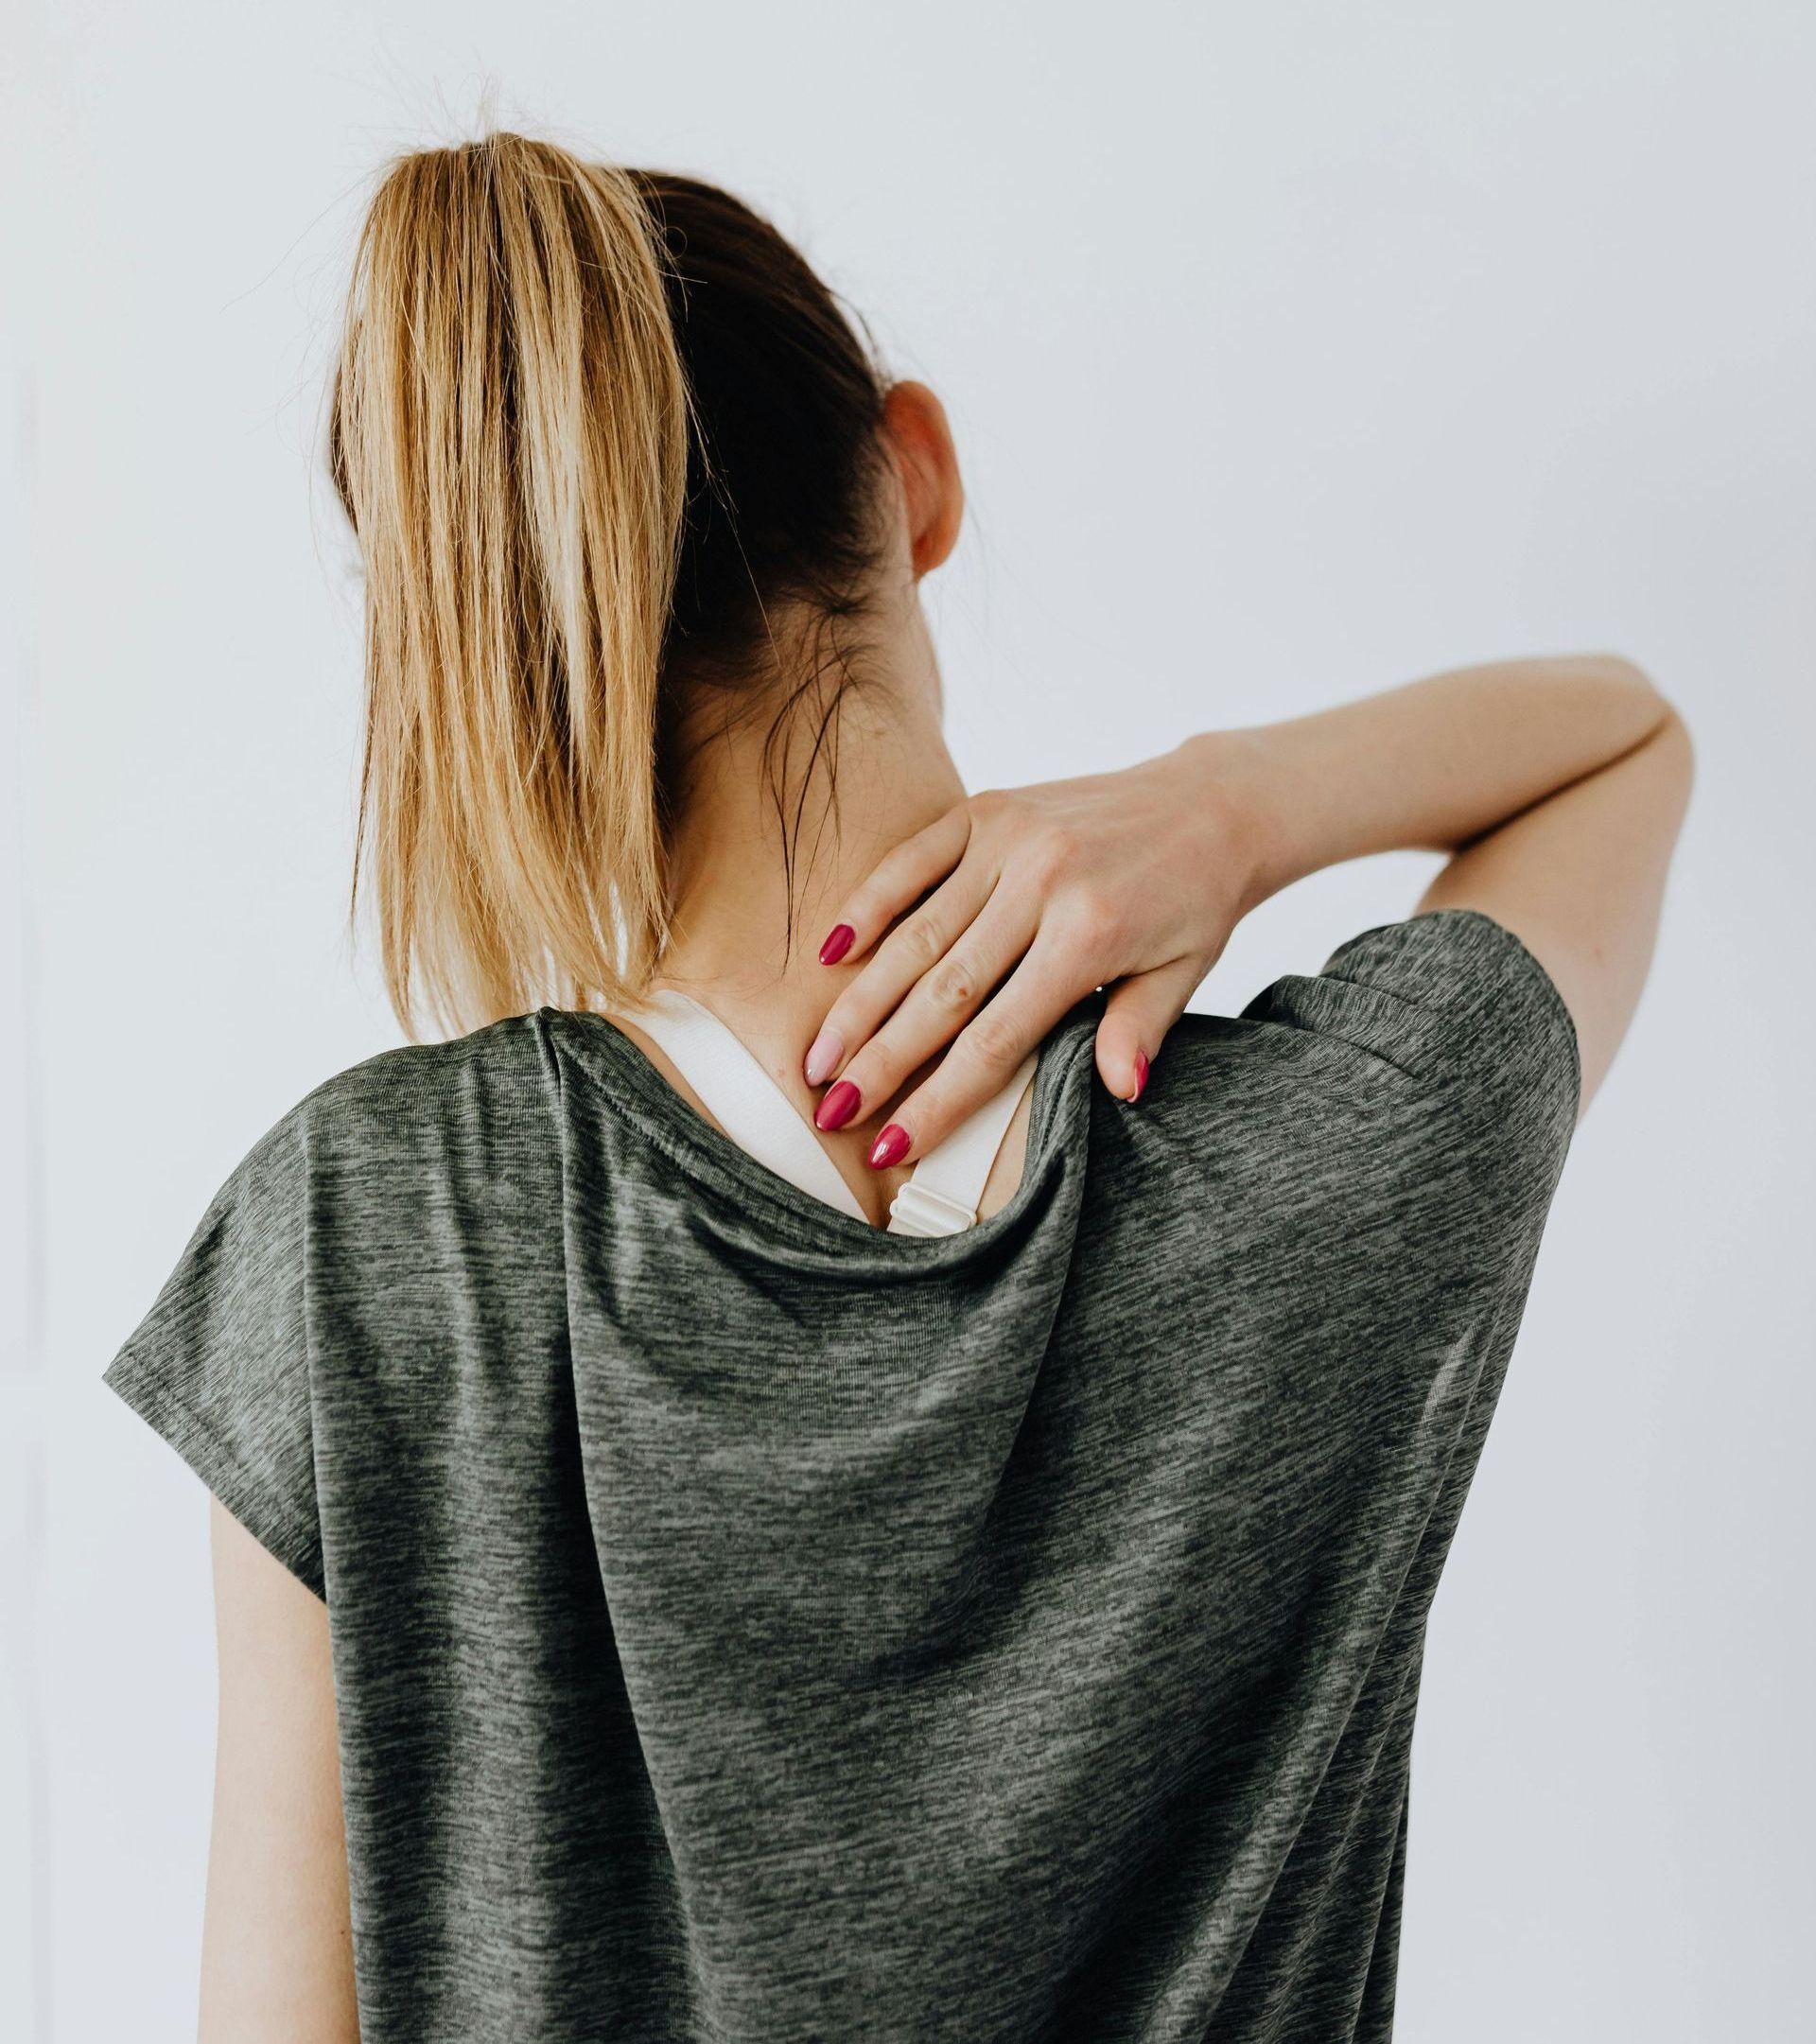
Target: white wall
1294,350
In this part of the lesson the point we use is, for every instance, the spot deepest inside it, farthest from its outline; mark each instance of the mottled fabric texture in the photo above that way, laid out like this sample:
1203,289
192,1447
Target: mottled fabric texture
750,1625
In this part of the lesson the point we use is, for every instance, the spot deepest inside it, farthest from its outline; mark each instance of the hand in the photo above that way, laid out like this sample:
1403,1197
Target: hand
1032,899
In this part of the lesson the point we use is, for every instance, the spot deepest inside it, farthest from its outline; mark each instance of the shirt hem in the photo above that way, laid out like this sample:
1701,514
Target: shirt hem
128,1376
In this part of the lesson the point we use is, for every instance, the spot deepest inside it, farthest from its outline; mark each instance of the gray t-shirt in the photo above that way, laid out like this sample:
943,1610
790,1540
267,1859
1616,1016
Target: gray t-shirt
750,1625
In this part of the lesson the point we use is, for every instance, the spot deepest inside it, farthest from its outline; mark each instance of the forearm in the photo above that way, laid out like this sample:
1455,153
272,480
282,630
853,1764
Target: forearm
1556,784
1433,765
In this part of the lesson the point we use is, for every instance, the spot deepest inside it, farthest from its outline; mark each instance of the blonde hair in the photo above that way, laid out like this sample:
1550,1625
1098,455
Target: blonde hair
508,435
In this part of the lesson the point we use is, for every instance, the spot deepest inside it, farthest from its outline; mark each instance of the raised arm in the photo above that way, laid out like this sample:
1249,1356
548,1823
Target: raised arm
1558,785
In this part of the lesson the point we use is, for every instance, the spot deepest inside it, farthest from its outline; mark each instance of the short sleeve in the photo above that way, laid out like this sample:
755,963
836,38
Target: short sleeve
220,1365
1453,999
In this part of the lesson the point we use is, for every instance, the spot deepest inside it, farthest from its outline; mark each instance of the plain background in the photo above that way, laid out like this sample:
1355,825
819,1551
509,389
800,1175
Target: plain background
1292,351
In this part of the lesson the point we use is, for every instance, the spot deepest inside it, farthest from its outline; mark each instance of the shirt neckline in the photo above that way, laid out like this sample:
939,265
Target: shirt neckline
775,1211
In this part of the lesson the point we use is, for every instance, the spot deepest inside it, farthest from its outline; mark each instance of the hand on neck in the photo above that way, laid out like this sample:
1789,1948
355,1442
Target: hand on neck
882,773
773,835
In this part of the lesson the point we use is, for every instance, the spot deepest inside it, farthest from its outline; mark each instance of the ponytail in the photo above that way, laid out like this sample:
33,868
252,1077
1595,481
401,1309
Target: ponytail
509,435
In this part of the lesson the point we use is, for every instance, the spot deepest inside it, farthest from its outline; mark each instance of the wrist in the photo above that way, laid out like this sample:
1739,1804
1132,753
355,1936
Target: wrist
1237,781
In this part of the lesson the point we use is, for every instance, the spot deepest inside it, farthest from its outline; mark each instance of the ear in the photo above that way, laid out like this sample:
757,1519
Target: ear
916,425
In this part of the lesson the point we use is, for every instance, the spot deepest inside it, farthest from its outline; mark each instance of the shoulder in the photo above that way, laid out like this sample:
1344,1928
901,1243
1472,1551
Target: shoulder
369,1154
364,1210
1431,1053
1450,1003
418,1100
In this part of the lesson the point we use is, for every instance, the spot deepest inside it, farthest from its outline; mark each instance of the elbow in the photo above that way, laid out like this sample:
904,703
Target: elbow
1663,723
1666,758
1615,671
1668,728
1678,752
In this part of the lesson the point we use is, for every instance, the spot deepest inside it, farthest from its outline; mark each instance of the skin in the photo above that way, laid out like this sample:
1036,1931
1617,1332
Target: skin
277,1937
1557,786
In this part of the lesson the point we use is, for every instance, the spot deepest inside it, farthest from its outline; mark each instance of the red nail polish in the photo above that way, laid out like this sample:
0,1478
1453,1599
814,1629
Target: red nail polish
890,1147
842,1101
1140,1074
837,943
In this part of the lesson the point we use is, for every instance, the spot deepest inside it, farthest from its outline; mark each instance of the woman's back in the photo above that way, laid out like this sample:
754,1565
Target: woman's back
730,1620
747,1624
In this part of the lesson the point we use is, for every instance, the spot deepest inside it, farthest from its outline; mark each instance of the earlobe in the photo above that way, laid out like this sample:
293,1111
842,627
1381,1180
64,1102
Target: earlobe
928,462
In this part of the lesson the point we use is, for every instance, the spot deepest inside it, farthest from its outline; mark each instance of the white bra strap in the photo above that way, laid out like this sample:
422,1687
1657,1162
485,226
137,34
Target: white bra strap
944,1188
941,1197
743,1098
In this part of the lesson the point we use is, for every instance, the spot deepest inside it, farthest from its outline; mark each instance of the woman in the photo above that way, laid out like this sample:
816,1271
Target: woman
659,1594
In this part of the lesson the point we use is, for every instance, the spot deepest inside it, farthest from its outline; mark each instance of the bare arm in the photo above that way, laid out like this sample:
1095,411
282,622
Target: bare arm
1580,878
1558,785
277,1943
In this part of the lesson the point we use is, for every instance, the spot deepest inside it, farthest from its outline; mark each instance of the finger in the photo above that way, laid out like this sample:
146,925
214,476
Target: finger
1140,1011
986,1050
913,950
896,882
938,1004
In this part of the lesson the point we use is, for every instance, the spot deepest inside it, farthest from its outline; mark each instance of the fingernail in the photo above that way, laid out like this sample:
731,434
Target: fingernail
823,1056
1141,1074
890,1147
842,1101
837,944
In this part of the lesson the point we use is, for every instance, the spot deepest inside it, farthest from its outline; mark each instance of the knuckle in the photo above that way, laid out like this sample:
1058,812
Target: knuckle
953,988
917,944
1001,817
1054,853
1091,920
992,1044
926,944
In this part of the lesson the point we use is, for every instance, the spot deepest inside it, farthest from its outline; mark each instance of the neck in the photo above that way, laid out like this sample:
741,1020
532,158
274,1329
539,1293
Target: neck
882,773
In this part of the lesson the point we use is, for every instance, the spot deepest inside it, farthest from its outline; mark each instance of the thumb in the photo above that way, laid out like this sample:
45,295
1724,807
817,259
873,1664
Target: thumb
1137,1016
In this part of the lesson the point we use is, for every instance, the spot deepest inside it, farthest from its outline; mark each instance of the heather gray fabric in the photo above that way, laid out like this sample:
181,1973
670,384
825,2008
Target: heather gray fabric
750,1625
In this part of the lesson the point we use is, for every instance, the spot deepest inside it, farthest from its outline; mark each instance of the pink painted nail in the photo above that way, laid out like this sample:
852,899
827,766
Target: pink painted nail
842,1101
823,1056
838,942
1141,1074
890,1147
